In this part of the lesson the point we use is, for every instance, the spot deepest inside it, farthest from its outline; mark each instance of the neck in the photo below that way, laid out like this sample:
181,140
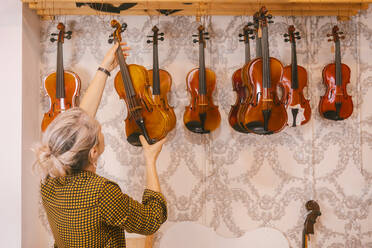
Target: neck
202,86
338,63
90,167
60,89
247,52
155,72
294,67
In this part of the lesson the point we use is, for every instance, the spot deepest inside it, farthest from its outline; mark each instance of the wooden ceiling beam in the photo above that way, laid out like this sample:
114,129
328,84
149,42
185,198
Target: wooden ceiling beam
88,11
202,1
213,6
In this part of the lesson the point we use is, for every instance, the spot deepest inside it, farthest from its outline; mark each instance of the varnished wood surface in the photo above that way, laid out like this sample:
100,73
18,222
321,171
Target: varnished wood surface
341,8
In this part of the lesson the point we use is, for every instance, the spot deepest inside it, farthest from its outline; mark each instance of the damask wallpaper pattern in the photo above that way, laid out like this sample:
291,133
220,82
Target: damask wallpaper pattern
236,182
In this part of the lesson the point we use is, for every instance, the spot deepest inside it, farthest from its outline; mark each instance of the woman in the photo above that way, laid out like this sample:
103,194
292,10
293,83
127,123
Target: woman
84,209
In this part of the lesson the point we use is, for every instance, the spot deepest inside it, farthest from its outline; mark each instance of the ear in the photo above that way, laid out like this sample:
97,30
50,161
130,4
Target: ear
93,154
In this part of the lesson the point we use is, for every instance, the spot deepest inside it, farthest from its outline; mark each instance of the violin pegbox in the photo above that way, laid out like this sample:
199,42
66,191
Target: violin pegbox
155,36
247,33
62,34
119,28
291,36
202,35
336,34
263,17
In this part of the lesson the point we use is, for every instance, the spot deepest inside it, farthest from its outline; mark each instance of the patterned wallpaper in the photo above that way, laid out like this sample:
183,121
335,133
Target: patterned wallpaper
236,182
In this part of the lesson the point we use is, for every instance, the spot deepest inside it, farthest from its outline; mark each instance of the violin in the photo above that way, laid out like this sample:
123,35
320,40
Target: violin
132,84
62,87
201,116
295,80
161,81
243,91
313,214
245,79
266,113
336,104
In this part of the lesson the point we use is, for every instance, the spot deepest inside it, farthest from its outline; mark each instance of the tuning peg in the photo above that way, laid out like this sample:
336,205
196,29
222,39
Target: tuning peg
328,35
297,33
329,40
206,38
53,34
124,26
161,34
342,37
110,41
340,32
285,35
195,41
149,36
270,22
195,35
286,40
68,32
250,24
111,35
53,40
241,40
149,41
206,33
241,35
250,31
269,16
68,37
161,38
298,37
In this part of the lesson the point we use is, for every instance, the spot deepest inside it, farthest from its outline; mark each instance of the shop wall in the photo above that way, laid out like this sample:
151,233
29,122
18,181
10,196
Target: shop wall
33,233
10,124
237,182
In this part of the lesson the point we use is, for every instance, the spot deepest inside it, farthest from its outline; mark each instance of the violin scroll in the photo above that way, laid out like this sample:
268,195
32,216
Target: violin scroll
291,36
62,34
156,35
314,213
247,33
202,35
336,34
119,28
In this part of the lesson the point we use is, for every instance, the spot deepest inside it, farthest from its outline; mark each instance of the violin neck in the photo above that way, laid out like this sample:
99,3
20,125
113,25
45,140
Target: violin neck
127,80
266,77
60,88
338,63
294,80
155,71
304,239
258,46
247,51
202,85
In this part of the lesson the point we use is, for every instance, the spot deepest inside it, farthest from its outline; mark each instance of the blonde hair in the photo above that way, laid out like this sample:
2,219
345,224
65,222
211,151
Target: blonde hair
66,143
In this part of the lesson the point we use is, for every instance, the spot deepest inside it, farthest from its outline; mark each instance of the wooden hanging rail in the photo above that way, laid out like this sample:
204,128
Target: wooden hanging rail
343,9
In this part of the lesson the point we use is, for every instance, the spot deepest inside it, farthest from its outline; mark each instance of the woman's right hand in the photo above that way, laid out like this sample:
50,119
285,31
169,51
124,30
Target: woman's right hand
110,61
151,152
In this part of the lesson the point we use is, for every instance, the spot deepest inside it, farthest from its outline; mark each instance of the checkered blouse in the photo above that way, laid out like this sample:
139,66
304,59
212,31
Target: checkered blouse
86,210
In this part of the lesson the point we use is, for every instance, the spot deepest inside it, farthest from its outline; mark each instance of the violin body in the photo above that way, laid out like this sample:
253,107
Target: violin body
155,119
162,99
72,91
242,96
336,104
265,99
201,116
295,97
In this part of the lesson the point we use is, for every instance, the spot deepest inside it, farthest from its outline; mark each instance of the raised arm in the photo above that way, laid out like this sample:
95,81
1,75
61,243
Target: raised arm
93,94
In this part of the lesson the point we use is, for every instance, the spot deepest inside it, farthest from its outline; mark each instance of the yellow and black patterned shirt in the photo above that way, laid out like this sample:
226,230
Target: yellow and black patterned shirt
87,210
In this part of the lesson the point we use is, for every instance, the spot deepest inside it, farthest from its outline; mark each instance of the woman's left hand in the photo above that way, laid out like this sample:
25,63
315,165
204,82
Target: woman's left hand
110,61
